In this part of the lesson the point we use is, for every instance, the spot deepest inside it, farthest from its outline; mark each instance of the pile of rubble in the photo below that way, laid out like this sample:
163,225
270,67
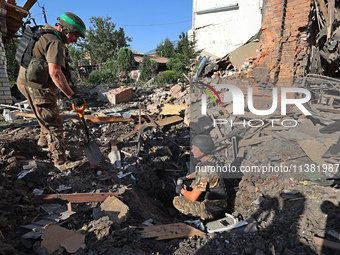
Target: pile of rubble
125,202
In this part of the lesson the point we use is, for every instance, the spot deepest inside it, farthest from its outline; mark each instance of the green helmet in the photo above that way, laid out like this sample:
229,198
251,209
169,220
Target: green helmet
73,23
204,143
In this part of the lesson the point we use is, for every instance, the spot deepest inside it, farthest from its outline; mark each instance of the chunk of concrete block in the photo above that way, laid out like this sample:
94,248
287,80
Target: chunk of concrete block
119,95
115,209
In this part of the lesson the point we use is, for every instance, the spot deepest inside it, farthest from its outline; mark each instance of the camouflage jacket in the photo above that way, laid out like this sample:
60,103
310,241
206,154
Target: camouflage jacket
208,180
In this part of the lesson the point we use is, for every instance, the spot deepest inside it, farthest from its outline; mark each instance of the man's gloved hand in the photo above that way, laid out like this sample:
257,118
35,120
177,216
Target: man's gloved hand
76,100
179,187
183,178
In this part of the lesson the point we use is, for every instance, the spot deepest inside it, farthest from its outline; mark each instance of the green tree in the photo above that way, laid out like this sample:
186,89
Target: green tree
126,61
154,67
146,70
165,49
103,41
78,58
185,55
12,64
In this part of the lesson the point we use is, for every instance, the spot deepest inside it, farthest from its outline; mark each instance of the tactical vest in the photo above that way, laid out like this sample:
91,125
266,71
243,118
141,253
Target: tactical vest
30,36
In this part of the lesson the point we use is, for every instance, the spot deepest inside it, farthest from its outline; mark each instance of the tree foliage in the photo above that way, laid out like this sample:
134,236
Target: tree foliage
165,49
12,64
103,41
154,67
184,56
126,61
148,68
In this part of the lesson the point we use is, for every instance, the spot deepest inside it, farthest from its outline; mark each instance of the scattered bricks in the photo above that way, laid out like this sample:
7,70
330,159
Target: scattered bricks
176,91
120,95
153,108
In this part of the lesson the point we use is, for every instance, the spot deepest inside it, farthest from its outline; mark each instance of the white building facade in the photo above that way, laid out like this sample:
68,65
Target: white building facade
221,26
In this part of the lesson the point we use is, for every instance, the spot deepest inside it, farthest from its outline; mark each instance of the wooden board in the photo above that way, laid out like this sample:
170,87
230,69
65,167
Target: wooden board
169,231
74,198
327,109
170,109
326,243
90,118
253,141
163,122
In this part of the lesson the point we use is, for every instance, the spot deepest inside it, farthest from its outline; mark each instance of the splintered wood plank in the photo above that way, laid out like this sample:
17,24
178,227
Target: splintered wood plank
253,141
90,118
170,231
121,138
326,243
327,109
324,10
163,122
170,109
73,198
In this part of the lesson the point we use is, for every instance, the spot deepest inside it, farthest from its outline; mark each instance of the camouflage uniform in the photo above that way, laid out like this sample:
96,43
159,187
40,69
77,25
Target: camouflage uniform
42,97
213,190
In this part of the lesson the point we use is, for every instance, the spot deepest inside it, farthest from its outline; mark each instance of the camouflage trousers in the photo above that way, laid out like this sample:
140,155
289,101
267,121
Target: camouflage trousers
44,105
204,210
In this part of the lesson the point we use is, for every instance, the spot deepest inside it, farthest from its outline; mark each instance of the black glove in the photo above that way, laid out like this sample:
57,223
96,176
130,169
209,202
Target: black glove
179,188
76,100
183,178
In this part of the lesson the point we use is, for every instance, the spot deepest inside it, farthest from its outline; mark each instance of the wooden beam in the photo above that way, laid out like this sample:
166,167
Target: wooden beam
17,8
132,118
326,243
163,122
323,10
2,4
253,141
74,198
331,7
28,4
169,231
15,15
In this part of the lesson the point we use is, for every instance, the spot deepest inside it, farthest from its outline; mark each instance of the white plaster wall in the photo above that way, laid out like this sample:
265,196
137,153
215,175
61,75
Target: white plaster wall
223,31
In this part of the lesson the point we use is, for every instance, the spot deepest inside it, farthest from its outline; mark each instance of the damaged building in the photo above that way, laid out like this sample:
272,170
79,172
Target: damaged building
11,17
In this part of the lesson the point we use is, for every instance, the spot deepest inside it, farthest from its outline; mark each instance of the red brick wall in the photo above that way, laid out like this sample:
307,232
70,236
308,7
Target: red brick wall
284,42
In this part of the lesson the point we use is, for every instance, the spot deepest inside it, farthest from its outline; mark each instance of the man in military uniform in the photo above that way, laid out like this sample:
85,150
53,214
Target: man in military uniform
208,197
51,55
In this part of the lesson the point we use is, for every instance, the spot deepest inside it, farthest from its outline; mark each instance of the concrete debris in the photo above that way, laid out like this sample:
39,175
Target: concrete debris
100,227
9,115
55,236
112,207
148,222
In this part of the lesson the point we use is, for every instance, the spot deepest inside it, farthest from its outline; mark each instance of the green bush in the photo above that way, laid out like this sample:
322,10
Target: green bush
160,81
101,76
171,76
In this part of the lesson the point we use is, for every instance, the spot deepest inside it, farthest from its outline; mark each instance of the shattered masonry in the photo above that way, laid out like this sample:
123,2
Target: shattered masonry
284,46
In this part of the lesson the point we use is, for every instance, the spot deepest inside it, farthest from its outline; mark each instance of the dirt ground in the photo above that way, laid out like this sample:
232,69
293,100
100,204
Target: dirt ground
287,211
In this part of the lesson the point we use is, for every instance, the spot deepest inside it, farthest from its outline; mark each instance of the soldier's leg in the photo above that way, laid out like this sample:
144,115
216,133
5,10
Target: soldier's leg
44,105
43,139
195,209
